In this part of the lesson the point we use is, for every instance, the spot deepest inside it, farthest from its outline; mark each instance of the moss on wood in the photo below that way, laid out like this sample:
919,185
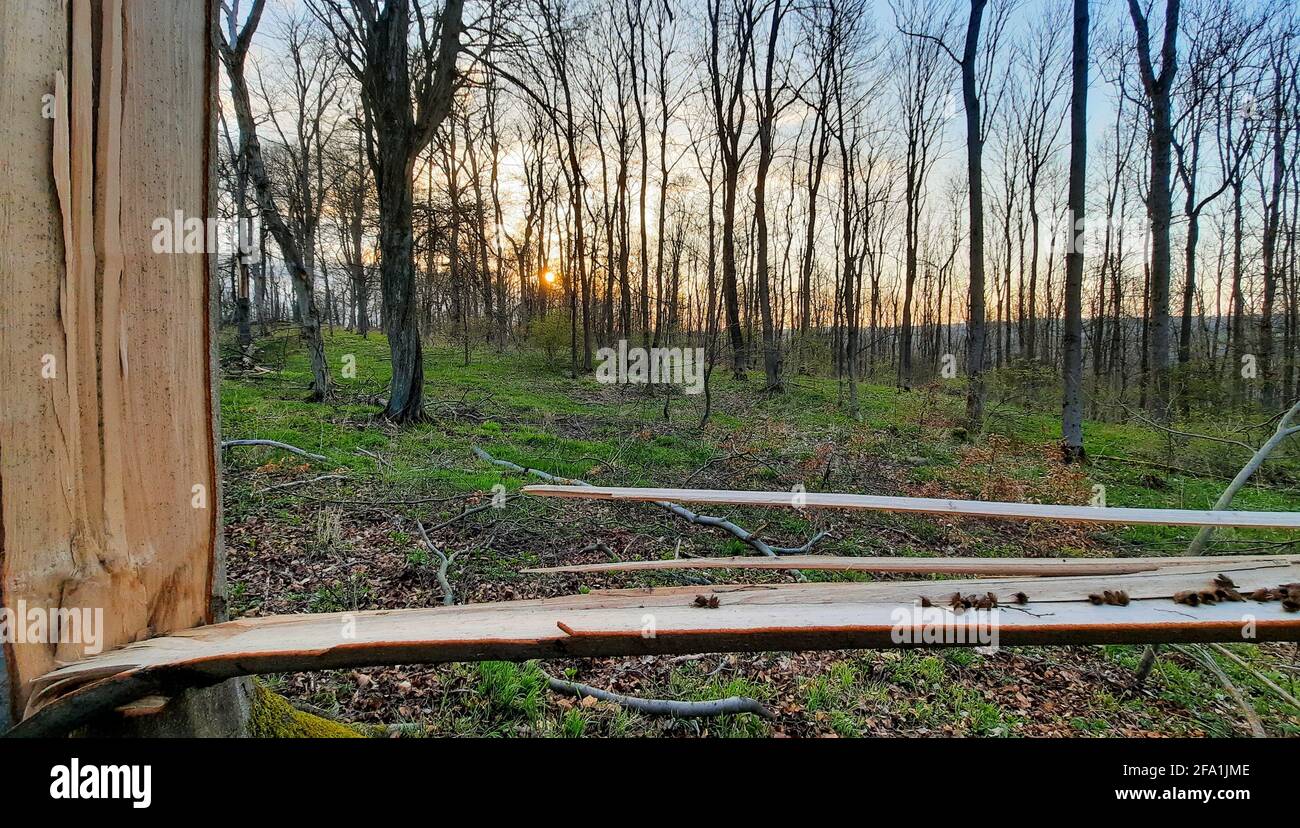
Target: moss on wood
272,717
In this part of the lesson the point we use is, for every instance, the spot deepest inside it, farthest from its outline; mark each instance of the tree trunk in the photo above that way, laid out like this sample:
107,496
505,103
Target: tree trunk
975,172
1160,197
771,348
1272,222
92,516
400,135
1072,344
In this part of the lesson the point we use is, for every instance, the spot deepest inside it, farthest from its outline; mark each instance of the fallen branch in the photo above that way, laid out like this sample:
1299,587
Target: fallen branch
1285,429
800,550
382,505
740,533
1263,679
444,561
293,483
663,707
227,444
1252,718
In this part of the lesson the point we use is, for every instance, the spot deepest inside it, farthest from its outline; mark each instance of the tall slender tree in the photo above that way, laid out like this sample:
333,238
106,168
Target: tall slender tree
1072,340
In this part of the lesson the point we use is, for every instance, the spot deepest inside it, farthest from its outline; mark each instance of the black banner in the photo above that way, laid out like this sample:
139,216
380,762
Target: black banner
1000,778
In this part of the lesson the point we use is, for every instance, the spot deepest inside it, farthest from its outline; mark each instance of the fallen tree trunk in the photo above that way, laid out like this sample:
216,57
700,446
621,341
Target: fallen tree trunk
747,618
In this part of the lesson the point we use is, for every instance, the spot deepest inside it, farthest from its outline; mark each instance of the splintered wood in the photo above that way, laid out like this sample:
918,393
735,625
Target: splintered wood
930,505
1037,567
811,616
107,467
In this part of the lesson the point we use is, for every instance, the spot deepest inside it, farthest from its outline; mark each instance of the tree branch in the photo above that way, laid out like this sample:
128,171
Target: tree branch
226,444
663,707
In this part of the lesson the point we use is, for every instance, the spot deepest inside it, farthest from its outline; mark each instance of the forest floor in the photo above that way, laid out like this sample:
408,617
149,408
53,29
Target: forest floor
307,536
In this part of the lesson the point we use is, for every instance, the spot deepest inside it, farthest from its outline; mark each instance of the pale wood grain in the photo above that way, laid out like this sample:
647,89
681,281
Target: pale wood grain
928,505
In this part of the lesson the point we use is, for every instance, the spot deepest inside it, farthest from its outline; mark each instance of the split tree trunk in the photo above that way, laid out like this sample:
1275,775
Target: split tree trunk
103,340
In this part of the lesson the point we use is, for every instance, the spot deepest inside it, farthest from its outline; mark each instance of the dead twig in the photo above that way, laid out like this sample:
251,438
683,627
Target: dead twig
228,444
474,511
293,483
663,707
382,505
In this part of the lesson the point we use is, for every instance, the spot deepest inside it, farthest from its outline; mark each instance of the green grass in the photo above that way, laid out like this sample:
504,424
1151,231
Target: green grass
522,407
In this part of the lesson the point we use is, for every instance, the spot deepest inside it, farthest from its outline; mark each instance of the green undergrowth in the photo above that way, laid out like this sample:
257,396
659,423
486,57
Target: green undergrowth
523,407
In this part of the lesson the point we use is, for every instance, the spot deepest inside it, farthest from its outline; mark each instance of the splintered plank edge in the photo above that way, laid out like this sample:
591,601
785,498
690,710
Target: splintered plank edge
930,505
1033,567
750,617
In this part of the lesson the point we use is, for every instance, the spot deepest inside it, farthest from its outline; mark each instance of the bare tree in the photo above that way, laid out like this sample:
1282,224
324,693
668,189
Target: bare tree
234,48
768,106
403,114
730,39
1038,116
920,78
1280,61
1072,341
1159,87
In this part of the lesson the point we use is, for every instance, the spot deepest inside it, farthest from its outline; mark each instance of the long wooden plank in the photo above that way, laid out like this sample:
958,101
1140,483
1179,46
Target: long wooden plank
1064,588
658,621
931,505
1035,567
